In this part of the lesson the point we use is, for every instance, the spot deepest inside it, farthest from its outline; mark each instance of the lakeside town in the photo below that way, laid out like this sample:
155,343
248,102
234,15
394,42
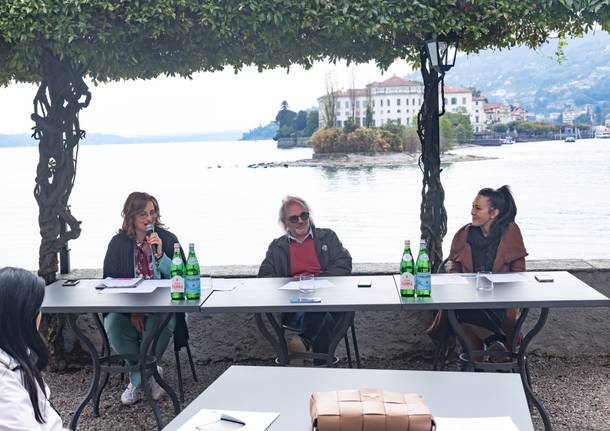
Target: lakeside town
397,101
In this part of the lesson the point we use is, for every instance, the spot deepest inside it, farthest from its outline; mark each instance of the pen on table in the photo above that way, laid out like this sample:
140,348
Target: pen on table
226,417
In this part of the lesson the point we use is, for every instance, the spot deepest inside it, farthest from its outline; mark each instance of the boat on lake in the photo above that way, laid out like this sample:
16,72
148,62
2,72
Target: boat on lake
602,132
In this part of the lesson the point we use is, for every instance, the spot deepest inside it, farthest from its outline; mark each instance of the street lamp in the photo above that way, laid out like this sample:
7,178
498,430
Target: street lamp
442,51
437,56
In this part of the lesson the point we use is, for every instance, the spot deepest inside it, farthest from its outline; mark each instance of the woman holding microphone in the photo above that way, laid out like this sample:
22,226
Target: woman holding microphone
141,248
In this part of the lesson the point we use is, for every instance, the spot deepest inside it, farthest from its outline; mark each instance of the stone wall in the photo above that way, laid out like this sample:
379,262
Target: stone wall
293,142
388,334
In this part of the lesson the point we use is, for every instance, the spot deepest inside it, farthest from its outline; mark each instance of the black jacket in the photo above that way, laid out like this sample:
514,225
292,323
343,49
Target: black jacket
334,258
119,255
119,263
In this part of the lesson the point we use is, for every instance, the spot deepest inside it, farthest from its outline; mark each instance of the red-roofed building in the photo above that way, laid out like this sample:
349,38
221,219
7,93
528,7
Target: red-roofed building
398,99
394,99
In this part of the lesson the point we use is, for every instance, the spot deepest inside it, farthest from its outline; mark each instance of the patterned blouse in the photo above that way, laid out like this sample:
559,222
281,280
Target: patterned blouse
143,261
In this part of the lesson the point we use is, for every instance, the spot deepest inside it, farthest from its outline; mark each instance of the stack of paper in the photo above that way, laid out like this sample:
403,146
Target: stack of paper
510,277
121,282
309,284
145,286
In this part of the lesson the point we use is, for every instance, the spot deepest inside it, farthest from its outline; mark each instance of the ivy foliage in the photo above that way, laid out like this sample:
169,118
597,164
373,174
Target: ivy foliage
132,39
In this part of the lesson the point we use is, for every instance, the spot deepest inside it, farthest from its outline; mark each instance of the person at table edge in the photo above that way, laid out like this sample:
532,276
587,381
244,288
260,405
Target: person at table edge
130,254
306,249
24,396
492,242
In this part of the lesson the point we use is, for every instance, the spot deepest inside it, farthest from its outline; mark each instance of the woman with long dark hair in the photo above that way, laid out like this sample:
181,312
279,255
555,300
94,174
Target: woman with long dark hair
24,397
136,252
491,242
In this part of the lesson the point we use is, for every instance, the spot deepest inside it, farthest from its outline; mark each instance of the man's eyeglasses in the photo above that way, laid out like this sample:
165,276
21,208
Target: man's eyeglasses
295,218
144,214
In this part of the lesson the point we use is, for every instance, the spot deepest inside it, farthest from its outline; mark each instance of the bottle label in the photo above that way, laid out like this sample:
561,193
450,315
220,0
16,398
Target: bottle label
423,258
407,281
193,284
423,281
177,260
407,257
177,284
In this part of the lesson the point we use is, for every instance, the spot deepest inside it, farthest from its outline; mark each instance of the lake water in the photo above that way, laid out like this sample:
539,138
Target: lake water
210,197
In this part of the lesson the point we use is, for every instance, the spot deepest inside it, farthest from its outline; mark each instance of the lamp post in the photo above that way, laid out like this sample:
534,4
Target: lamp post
442,51
437,56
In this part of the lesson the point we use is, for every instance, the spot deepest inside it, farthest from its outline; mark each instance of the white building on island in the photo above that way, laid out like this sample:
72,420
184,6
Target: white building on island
397,99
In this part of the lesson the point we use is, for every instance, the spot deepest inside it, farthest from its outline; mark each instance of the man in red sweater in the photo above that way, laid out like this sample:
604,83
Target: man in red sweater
305,249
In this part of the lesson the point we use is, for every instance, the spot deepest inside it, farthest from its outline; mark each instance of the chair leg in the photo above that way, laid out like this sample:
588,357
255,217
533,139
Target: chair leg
347,350
356,352
188,352
180,388
438,349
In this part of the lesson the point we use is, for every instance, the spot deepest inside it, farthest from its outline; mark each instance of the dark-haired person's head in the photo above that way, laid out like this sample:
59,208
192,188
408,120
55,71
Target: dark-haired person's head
139,210
493,208
21,295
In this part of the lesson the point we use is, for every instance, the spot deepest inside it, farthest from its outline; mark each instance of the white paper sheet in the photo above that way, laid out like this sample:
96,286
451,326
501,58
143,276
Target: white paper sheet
220,284
502,423
121,282
210,420
506,278
438,279
141,288
155,283
317,284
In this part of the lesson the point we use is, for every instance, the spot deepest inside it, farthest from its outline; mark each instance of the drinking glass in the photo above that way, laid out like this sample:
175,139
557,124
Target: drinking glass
484,281
206,283
307,285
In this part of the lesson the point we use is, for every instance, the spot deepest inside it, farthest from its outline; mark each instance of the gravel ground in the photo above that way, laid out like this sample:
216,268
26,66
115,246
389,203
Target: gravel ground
575,390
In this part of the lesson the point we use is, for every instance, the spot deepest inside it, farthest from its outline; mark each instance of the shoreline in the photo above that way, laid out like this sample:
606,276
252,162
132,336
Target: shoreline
361,160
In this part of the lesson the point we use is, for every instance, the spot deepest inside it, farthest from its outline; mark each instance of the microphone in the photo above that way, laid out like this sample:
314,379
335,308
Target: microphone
150,228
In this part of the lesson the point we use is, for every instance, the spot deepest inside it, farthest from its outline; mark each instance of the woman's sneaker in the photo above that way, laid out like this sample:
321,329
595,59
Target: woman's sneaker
131,395
156,390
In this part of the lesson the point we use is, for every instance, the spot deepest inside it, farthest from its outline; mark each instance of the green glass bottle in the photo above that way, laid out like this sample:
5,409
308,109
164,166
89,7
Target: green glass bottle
176,273
193,277
407,272
423,275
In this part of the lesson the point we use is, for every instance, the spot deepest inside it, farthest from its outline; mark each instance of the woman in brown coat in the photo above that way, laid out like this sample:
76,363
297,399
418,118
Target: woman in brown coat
491,242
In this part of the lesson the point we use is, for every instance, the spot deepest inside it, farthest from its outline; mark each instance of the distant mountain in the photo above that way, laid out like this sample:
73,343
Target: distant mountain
24,140
535,80
261,132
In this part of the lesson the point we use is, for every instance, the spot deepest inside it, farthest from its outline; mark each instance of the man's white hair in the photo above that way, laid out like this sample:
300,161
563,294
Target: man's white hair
288,200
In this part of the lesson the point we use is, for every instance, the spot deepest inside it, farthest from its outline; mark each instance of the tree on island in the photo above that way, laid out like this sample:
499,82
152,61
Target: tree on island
300,122
459,123
56,44
313,119
292,124
285,120
368,116
329,103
